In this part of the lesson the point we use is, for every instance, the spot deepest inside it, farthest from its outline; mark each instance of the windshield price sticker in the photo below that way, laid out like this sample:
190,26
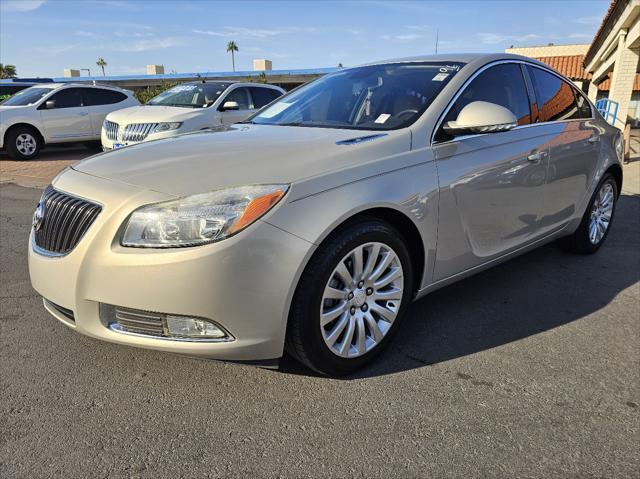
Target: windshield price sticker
383,118
440,77
184,88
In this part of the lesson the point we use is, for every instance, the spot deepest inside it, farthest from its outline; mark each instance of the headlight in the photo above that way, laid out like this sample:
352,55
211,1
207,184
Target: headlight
200,219
167,127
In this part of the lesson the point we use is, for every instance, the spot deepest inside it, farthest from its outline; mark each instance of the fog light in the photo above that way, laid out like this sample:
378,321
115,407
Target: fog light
185,327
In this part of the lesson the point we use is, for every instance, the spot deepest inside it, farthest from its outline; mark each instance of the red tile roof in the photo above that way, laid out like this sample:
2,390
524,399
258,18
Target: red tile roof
572,67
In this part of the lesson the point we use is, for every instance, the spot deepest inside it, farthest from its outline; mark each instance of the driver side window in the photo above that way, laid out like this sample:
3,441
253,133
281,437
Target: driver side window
68,98
240,96
502,85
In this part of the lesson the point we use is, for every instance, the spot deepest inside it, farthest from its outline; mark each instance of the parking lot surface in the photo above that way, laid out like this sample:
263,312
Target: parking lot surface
531,369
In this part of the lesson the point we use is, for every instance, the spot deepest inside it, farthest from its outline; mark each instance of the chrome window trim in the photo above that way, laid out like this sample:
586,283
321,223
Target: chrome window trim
455,97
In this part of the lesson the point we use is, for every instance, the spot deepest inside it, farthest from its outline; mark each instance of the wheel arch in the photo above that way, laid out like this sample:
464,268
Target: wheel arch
398,220
616,171
24,125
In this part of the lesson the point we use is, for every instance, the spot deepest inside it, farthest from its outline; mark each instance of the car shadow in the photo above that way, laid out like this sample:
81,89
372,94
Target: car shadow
541,290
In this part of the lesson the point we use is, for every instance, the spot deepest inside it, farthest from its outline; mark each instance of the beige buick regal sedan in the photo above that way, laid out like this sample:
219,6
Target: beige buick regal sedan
312,226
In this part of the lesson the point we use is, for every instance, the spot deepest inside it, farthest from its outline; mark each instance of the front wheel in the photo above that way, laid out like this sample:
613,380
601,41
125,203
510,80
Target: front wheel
22,143
350,298
596,222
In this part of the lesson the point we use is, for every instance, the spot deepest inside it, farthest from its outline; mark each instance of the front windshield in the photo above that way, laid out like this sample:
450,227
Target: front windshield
375,97
29,96
201,95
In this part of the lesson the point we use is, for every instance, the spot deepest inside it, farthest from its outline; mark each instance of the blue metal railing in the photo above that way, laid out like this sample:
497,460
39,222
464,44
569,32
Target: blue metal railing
608,109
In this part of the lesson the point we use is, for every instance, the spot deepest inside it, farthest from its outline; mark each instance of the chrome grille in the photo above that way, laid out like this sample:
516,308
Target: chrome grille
134,320
111,130
138,131
62,221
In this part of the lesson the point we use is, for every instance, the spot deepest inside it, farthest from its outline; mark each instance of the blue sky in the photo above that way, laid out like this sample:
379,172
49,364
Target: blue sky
42,37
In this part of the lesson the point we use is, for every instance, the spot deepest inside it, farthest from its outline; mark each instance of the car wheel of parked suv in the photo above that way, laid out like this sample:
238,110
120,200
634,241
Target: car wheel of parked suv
350,298
22,143
596,222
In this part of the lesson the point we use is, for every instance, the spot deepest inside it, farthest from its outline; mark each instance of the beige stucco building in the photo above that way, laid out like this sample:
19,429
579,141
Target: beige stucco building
614,55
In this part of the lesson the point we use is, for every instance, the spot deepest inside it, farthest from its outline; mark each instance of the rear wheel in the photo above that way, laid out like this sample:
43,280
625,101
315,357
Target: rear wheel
22,143
596,222
351,298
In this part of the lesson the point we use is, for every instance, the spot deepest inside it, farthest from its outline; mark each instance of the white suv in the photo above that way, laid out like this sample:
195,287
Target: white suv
186,108
57,113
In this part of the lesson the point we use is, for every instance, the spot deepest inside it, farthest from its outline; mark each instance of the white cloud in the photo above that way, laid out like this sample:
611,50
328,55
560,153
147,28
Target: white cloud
584,36
495,38
150,44
83,33
587,20
20,5
402,38
254,33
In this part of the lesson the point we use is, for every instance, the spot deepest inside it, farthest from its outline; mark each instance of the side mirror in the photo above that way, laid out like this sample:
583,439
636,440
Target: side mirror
481,117
230,105
50,104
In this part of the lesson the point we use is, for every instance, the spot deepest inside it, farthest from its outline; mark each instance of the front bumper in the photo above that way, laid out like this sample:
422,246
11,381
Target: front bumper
244,283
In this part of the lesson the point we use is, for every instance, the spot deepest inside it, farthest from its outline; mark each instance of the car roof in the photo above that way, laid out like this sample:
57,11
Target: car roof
83,85
227,84
458,58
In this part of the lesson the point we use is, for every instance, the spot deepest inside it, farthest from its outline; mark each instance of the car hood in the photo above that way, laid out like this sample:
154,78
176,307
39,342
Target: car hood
244,155
153,114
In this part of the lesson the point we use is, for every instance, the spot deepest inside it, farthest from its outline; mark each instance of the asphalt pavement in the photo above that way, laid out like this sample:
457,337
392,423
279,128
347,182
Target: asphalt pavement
530,369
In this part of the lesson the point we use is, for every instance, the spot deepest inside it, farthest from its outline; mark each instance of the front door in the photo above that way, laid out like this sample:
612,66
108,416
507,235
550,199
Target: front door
245,107
69,120
491,185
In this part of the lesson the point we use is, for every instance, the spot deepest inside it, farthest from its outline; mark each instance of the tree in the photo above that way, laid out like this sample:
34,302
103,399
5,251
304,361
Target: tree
7,71
262,77
101,63
232,47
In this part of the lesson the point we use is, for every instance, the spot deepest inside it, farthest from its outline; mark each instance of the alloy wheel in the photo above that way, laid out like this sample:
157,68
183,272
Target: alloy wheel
361,300
26,144
601,213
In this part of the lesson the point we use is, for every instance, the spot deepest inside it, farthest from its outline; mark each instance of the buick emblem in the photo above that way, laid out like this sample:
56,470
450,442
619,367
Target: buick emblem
38,217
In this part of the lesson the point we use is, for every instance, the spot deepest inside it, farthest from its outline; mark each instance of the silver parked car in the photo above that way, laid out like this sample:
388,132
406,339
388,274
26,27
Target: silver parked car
312,226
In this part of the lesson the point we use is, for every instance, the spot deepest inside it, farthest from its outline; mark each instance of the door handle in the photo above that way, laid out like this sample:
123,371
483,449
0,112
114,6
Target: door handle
537,156
594,139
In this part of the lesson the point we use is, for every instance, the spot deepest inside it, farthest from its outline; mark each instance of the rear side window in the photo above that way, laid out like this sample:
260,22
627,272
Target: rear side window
69,98
98,96
501,84
263,96
556,99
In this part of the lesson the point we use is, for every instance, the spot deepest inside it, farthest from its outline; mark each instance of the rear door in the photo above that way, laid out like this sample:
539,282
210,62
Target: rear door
69,120
491,185
566,116
101,102
245,107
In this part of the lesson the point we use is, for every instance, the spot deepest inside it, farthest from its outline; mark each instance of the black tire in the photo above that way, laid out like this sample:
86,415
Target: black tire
304,339
15,135
94,145
579,241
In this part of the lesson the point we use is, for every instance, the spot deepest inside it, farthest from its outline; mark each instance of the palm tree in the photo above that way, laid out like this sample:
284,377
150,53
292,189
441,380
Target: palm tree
101,63
7,71
232,47
262,77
